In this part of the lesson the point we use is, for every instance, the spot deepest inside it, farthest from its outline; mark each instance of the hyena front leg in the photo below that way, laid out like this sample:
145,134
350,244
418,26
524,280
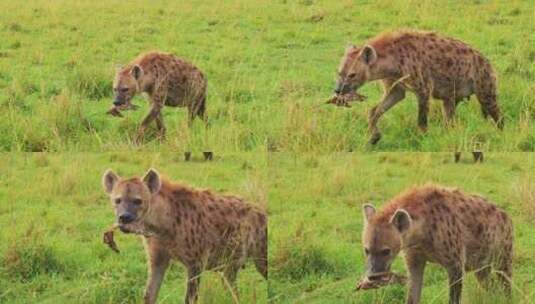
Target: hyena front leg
449,110
392,97
160,125
194,280
154,113
455,275
158,264
416,267
423,110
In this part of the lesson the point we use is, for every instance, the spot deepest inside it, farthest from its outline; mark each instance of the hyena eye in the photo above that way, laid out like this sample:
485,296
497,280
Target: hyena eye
352,75
124,90
137,201
385,252
366,251
117,201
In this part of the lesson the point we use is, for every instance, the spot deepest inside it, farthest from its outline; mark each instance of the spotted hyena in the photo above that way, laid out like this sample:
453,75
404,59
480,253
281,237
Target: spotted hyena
168,80
199,228
459,231
425,63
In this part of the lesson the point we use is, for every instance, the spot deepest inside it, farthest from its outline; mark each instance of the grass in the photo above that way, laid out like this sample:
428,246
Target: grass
270,66
315,224
55,211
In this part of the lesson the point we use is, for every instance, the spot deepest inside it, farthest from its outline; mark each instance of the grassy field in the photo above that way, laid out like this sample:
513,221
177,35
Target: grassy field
270,67
54,211
315,251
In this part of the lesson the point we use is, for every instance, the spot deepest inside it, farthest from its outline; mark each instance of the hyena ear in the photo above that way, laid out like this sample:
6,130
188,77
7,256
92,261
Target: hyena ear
368,211
137,71
369,55
109,179
401,220
152,180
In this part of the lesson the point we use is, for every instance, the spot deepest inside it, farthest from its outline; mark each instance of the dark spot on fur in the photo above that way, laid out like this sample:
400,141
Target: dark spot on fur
479,229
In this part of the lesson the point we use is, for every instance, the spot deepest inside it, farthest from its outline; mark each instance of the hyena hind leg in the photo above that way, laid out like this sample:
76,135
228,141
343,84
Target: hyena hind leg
230,275
160,125
483,277
504,272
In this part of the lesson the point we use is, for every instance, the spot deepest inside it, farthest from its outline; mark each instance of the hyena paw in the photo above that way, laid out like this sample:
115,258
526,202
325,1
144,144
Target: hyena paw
374,139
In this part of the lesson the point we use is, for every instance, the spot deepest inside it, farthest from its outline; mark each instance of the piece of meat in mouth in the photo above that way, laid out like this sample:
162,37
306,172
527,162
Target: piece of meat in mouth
343,100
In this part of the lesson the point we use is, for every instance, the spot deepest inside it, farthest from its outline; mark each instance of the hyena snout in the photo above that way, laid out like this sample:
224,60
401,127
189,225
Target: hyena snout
339,87
342,87
377,269
118,101
126,218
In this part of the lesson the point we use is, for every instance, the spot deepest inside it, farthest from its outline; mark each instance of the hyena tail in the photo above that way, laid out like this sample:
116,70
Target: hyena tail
260,257
198,109
201,112
262,266
486,95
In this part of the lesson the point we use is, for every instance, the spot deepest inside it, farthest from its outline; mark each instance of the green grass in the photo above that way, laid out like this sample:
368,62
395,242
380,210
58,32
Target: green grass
270,66
54,212
315,223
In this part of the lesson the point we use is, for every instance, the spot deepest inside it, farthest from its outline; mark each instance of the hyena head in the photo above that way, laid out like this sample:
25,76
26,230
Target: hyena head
382,239
127,84
131,198
355,68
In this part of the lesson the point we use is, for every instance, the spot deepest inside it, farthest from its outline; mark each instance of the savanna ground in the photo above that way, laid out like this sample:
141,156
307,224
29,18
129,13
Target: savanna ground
54,211
315,223
270,67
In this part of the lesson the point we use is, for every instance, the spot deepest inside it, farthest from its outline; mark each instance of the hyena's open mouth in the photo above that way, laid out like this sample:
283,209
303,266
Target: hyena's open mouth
127,106
125,228
134,227
380,280
379,275
116,110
